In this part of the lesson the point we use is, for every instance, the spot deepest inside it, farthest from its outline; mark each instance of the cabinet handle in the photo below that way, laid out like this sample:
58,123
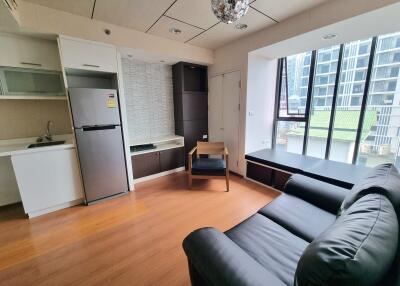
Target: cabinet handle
93,66
31,64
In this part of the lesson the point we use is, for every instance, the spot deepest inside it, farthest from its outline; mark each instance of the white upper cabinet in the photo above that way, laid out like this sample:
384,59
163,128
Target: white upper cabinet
87,55
27,52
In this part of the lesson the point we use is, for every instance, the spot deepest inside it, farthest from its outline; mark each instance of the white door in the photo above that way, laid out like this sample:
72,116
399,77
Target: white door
215,108
231,96
223,114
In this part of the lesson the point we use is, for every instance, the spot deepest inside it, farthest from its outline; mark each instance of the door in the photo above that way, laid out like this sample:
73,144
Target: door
230,98
101,155
224,99
94,106
215,114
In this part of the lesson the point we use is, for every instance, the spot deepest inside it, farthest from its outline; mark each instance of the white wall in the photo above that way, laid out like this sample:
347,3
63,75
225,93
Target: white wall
261,85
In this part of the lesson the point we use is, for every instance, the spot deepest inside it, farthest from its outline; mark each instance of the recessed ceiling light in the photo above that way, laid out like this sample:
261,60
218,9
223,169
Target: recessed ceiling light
107,32
241,26
175,31
329,36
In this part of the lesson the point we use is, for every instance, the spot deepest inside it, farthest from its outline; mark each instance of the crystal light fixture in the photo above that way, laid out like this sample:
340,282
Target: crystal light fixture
229,11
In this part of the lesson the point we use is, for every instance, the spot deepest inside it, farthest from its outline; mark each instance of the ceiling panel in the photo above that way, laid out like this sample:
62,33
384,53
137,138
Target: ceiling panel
224,33
78,7
283,9
163,26
135,14
195,12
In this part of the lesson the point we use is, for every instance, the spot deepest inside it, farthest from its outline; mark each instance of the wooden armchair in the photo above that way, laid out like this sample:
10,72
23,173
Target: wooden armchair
207,168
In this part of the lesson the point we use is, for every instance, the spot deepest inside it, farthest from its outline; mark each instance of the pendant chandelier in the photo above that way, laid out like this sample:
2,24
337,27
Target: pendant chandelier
229,11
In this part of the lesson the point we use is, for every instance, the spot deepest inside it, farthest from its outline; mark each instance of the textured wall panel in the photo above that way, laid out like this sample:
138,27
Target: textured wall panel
149,99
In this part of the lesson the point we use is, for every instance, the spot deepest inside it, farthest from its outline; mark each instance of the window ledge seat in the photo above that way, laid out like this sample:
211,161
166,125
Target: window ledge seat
336,173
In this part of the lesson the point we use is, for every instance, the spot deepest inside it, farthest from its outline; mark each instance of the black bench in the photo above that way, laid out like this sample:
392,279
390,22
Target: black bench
272,167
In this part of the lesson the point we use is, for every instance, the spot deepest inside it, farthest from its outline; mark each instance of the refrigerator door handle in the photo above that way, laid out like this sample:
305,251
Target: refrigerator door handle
98,127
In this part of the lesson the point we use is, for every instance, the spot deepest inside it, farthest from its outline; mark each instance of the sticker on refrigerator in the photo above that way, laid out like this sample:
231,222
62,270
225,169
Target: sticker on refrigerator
111,103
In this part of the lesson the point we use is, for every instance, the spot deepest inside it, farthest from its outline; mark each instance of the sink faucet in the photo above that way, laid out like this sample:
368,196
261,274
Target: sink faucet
47,136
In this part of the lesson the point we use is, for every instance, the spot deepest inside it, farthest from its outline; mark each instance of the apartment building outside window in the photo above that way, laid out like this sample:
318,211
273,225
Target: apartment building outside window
343,102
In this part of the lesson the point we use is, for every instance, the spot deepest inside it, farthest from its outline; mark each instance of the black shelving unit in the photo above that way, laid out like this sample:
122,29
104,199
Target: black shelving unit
190,103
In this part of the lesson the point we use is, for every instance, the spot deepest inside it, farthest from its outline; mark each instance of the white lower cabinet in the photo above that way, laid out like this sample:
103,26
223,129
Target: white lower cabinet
48,180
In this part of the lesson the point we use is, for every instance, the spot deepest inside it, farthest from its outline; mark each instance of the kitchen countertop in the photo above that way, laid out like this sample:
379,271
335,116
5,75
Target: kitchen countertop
20,146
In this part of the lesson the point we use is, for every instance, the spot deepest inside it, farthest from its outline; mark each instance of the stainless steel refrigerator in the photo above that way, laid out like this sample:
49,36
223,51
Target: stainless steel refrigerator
99,139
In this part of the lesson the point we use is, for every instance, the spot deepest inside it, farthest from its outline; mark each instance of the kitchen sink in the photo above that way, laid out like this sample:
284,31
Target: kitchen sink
45,144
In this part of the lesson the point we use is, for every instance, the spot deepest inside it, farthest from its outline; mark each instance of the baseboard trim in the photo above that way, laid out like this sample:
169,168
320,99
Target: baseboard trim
158,175
55,208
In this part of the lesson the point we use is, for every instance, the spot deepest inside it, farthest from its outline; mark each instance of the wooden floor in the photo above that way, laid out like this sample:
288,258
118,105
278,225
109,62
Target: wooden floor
132,240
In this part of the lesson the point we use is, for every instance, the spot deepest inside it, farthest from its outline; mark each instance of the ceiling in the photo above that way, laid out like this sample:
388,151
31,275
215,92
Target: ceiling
198,25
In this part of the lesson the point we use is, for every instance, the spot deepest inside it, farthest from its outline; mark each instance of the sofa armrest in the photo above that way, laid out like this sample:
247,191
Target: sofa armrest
219,261
318,193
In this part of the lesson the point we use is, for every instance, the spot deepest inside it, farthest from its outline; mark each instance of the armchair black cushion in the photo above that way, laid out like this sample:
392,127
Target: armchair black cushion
209,166
313,234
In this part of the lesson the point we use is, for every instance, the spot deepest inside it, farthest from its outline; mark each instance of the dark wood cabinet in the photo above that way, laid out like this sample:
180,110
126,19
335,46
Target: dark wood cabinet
190,103
259,173
171,159
146,164
267,176
156,162
193,131
194,106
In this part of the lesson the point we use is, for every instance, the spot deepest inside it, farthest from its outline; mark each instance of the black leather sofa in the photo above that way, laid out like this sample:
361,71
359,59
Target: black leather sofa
314,233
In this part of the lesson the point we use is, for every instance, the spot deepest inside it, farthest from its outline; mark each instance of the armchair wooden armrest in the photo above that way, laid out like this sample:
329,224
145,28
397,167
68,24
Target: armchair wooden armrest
190,158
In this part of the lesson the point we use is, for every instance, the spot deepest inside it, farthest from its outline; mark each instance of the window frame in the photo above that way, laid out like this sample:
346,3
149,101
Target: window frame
306,118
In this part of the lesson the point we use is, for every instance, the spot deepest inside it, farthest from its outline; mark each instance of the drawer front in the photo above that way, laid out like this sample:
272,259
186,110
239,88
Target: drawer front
259,173
146,164
84,55
172,159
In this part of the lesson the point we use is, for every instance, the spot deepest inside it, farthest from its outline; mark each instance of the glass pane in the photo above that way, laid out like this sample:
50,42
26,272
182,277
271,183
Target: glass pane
380,139
321,101
19,81
294,85
348,107
33,82
290,136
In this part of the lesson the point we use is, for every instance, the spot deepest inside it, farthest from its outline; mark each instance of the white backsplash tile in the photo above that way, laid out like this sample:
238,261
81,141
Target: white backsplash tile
149,99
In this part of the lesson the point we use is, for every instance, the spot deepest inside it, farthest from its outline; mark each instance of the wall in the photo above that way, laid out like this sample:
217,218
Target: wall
28,118
149,99
261,86
234,56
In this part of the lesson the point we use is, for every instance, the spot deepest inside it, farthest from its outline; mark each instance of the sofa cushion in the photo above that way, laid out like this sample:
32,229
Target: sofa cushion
383,179
299,217
358,249
208,166
271,245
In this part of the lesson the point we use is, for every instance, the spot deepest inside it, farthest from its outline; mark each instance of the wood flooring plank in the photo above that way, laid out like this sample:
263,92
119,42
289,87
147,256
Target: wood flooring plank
131,240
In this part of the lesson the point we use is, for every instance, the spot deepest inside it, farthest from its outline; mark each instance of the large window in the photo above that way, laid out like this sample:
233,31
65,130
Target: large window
342,103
